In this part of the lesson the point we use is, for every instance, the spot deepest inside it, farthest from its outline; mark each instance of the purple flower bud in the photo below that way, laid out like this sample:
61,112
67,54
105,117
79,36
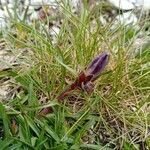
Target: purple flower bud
97,66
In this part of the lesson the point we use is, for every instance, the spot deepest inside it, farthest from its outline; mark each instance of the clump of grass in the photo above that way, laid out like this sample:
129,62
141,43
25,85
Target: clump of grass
115,116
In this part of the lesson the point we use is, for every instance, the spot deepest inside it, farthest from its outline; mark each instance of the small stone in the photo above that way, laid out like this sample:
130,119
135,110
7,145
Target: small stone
54,31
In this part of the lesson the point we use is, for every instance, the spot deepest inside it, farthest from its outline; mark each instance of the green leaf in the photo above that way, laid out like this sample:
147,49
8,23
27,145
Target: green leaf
6,121
49,130
5,143
32,124
15,146
67,67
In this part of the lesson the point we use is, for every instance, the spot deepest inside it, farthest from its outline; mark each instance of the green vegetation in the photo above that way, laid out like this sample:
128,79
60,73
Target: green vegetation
115,116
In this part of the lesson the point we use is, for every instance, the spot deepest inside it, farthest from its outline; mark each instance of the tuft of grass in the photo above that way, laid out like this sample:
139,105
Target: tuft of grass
115,116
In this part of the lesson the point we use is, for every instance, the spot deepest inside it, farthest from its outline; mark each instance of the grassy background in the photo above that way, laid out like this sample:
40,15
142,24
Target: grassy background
115,116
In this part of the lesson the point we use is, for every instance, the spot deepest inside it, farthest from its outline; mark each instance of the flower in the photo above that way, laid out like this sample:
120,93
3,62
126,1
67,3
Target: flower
92,72
97,66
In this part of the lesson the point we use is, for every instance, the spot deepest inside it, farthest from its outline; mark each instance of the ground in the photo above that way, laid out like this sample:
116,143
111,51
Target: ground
41,55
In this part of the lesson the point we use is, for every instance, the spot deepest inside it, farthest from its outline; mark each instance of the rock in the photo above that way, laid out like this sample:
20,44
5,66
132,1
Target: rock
6,2
38,3
122,4
144,4
131,4
2,19
127,18
42,2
